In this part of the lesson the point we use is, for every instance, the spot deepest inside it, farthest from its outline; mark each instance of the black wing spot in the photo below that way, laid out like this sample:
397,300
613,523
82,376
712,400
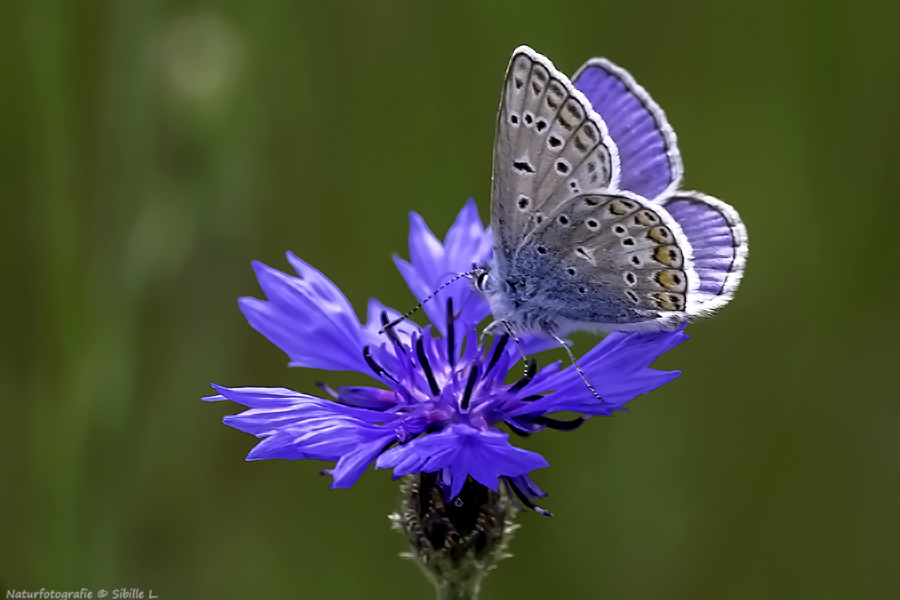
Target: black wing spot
541,250
570,271
628,242
514,119
630,279
554,142
523,167
562,167
529,119
539,219
631,295
524,201
592,224
582,289
563,220
541,125
636,260
619,229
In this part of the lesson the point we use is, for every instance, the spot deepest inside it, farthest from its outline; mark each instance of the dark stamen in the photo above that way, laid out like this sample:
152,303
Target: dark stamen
470,385
367,354
530,371
423,361
391,332
510,494
451,343
527,501
498,351
561,425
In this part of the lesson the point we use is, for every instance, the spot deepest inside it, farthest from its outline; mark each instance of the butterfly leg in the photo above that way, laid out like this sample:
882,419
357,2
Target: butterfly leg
491,329
512,334
565,346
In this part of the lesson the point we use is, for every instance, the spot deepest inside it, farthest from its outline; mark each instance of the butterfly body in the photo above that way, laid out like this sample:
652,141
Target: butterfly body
590,230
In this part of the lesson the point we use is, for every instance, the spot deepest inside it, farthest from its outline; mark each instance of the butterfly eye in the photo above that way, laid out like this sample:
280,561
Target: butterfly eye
481,282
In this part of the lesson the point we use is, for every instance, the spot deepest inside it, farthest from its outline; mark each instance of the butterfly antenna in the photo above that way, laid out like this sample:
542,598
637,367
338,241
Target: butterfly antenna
565,346
419,305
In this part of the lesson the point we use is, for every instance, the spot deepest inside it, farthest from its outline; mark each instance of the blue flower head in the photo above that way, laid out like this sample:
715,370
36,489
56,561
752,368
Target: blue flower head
441,393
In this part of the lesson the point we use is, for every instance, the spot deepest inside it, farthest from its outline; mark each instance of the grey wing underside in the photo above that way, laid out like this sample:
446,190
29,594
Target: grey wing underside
550,147
609,259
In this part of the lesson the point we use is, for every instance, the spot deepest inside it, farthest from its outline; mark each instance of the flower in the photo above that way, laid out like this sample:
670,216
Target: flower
441,397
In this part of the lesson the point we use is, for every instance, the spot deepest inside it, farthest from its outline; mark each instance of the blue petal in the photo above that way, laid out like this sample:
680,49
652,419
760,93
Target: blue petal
433,263
311,320
460,450
353,464
299,426
618,368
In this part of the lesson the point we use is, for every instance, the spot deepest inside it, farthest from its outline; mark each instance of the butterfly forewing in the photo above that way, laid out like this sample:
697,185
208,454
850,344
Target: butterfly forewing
550,147
650,161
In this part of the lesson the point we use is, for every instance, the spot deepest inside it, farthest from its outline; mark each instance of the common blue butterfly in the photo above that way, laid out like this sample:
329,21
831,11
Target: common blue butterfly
591,231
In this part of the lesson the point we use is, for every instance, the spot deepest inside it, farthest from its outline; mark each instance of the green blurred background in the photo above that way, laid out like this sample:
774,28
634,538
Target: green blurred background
151,150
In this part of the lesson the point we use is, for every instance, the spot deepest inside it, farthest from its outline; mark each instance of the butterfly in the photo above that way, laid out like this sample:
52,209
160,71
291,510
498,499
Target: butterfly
590,229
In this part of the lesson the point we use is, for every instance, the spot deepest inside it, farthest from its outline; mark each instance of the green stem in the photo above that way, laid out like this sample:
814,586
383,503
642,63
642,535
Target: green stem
458,589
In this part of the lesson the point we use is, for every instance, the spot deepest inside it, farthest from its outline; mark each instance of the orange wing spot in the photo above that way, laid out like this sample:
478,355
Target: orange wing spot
667,255
665,279
660,235
645,218
669,301
616,207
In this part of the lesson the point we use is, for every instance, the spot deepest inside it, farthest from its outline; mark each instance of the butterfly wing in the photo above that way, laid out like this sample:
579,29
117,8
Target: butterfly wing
650,160
550,145
719,241
609,260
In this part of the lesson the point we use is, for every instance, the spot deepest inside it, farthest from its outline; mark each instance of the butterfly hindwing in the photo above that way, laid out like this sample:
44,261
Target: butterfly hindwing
609,259
650,160
550,146
719,241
